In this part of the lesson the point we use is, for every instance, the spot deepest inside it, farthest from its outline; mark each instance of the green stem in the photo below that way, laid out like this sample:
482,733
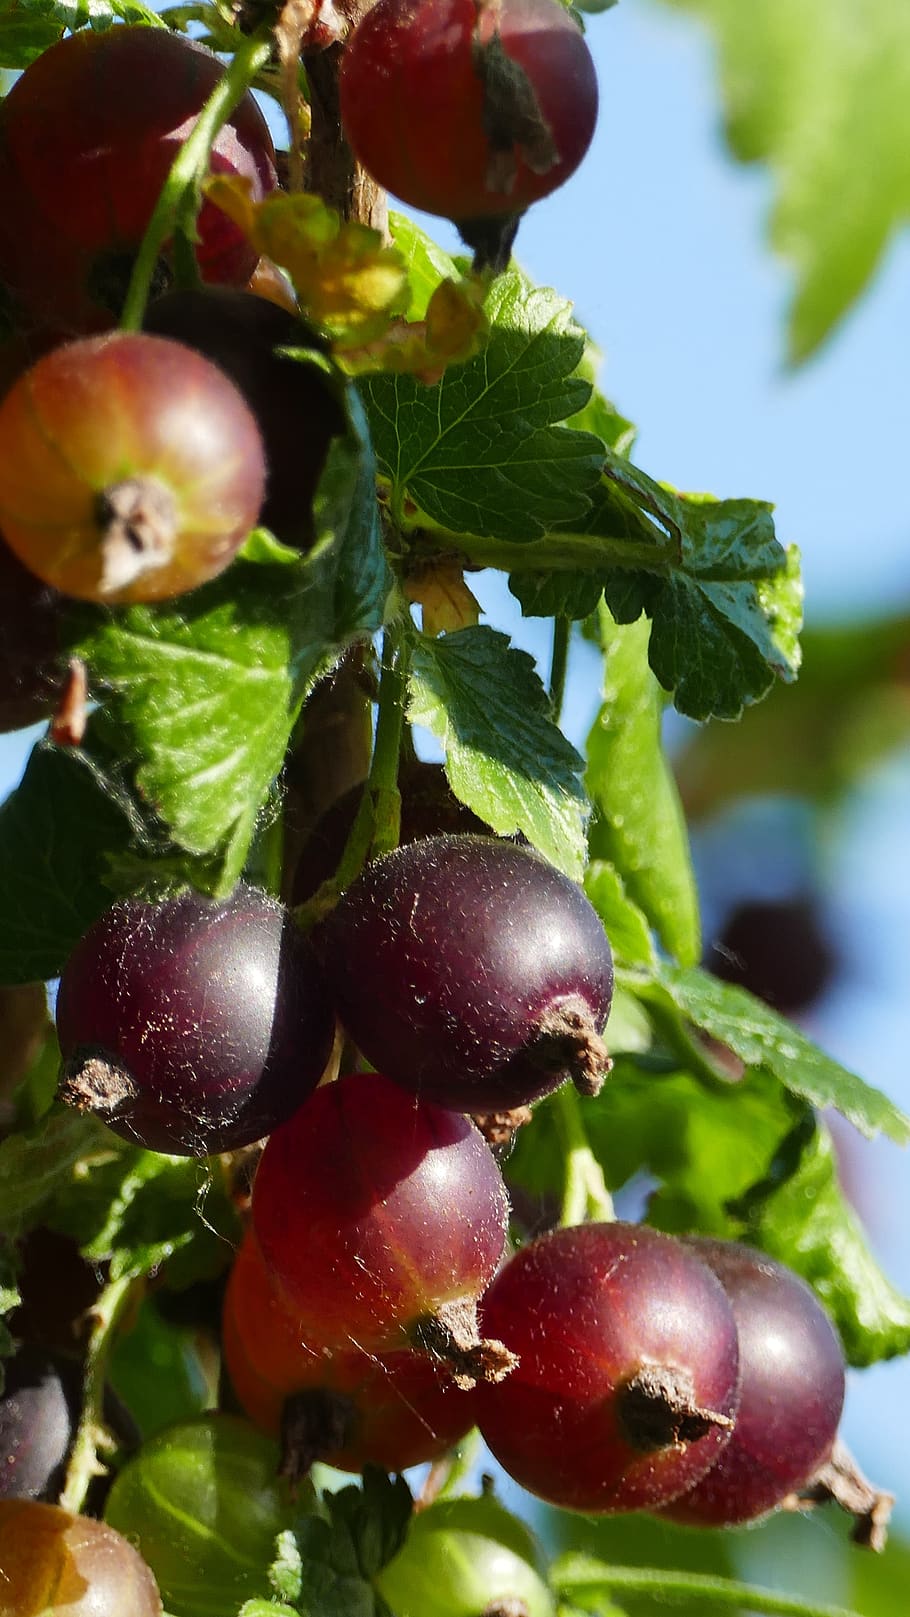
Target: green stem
383,781
92,1434
559,662
378,821
177,205
585,1194
560,552
670,1588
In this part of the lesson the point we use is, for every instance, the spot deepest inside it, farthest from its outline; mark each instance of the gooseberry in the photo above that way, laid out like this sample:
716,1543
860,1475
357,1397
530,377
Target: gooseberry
471,971
130,469
193,1026
792,1368
627,1382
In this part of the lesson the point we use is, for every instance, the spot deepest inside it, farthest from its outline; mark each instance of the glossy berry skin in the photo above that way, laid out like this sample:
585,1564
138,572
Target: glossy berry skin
203,1503
792,1390
589,1310
393,1410
55,1564
455,964
35,1426
417,111
130,469
372,1210
210,1021
87,137
295,407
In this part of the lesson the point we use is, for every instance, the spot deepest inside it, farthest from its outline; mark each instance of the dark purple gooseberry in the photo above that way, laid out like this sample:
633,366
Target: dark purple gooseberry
296,409
40,1408
471,971
192,1026
626,1386
792,1393
36,1425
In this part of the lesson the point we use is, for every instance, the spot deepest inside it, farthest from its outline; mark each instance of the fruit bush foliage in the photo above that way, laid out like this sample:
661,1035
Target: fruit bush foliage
474,435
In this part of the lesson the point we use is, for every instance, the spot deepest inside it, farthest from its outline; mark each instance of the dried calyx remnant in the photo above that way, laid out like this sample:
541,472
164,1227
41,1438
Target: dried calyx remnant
657,1409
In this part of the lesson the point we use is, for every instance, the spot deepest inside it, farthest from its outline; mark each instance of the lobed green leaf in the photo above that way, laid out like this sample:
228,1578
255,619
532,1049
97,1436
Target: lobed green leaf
482,450
505,757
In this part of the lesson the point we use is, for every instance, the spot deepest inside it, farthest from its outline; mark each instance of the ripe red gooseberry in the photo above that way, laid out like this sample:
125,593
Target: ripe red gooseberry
87,137
627,1382
130,469
193,1026
470,110
347,1407
472,971
792,1368
381,1220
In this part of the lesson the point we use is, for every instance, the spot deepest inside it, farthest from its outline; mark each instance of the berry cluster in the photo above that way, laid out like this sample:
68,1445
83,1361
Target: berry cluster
612,1367
373,1313
134,464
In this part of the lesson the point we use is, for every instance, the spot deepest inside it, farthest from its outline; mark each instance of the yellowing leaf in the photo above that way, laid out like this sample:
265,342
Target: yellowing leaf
346,280
353,286
454,329
445,601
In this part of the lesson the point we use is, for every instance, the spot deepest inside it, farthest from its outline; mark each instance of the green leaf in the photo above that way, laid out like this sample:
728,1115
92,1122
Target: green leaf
704,1147
505,757
58,831
761,1038
28,27
266,1608
481,451
724,597
376,1517
625,924
722,629
138,1209
638,823
204,691
339,1556
177,1389
818,91
35,1165
552,595
799,1215
285,1572
427,263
